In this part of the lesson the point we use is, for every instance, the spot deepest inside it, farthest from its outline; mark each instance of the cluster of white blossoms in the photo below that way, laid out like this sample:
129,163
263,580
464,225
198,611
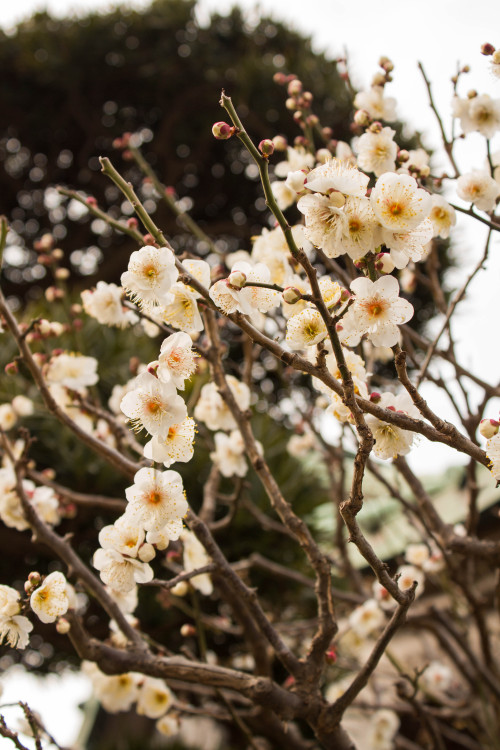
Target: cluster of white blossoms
14,627
153,698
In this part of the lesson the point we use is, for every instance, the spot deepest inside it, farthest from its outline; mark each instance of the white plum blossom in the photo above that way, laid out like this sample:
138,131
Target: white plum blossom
229,454
195,557
437,678
493,453
157,499
443,216
177,360
480,188
326,223
200,270
212,409
150,275
408,575
391,440
372,100
115,692
71,370
154,698
167,725
285,196
247,299
123,536
417,554
406,246
14,628
300,446
367,618
335,175
23,406
297,158
176,446
121,572
377,310
383,727
360,235
377,152
479,113
182,311
50,600
8,417
104,303
305,329
398,203
153,405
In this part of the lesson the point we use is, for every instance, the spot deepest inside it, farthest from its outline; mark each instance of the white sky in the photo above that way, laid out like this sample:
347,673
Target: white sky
440,33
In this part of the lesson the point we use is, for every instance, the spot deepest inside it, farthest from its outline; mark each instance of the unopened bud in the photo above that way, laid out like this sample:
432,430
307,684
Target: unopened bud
471,94
76,309
91,201
11,368
63,626
378,79
384,263
266,147
291,295
34,580
146,553
52,293
345,295
300,141
331,656
188,631
326,133
39,358
58,253
466,69
298,117
180,589
487,49
132,223
290,103
280,143
488,428
62,273
222,131
237,279
312,120
153,368
496,57
403,156
337,199
148,239
360,263
386,64
323,155
294,87
375,397
376,127
280,78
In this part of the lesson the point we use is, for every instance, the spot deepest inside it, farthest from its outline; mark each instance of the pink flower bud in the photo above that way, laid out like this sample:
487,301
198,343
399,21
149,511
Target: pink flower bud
266,147
326,133
345,295
312,120
360,264
331,656
300,140
375,127
62,273
279,78
222,131
188,630
294,87
386,64
91,201
487,49
11,368
237,279
153,368
488,428
132,223
291,295
148,239
375,397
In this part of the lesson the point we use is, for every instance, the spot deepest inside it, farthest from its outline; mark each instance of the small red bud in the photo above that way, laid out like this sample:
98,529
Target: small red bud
487,49
91,201
132,223
375,397
11,368
266,147
222,131
331,656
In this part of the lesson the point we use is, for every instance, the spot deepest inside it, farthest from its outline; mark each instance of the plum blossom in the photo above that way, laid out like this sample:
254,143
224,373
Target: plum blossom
377,310
104,303
326,223
156,499
493,453
372,100
14,628
195,557
398,203
297,158
479,113
154,698
212,409
229,454
176,446
119,572
335,175
384,725
153,405
115,692
150,275
71,370
177,360
246,299
305,329
50,600
390,440
367,618
480,188
443,216
406,246
377,151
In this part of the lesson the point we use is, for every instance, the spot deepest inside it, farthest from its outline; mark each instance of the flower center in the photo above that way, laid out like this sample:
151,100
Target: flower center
154,497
